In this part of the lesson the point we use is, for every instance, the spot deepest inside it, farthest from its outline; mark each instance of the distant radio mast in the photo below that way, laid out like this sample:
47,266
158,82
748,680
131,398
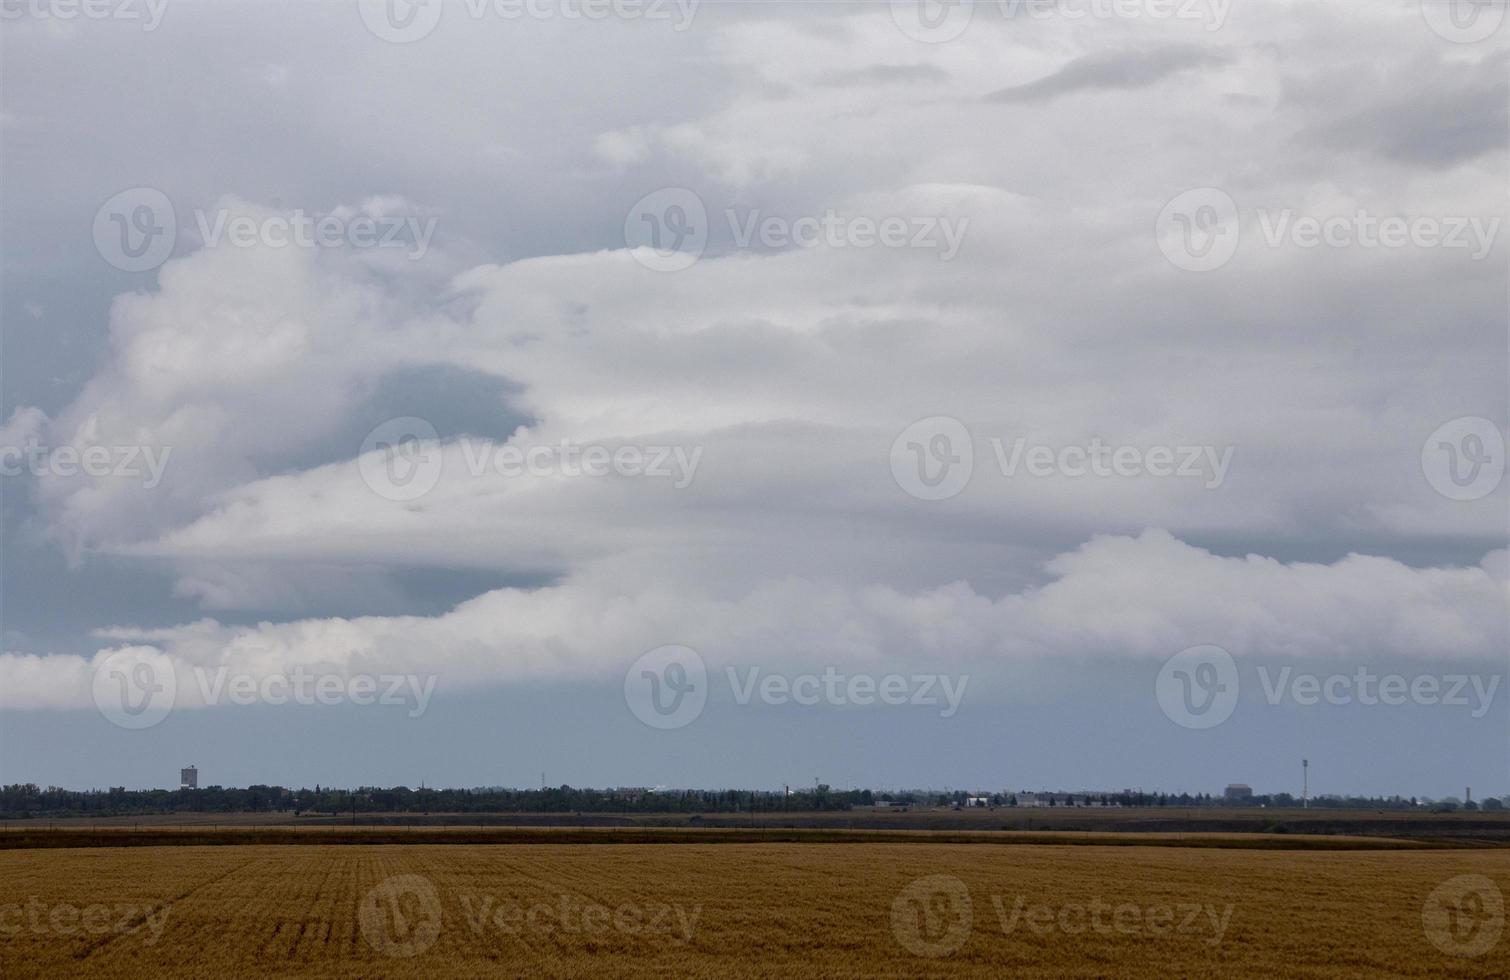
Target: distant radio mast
1305,784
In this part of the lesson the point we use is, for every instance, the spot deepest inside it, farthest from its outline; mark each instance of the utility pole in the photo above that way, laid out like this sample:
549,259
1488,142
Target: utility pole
1305,784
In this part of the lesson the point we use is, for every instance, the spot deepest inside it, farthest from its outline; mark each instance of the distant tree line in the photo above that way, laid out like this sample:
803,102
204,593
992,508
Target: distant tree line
23,800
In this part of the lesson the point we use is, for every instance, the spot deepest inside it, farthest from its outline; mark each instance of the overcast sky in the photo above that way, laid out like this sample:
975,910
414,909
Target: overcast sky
1023,348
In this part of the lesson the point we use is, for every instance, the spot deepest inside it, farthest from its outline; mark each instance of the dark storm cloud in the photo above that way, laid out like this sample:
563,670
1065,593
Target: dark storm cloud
885,75
1124,69
1447,113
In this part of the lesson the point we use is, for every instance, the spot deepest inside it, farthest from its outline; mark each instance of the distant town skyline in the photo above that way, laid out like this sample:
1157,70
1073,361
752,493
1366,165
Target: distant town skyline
369,415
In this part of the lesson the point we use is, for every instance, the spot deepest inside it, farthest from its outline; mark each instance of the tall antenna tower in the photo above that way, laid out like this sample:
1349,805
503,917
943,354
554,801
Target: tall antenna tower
1305,783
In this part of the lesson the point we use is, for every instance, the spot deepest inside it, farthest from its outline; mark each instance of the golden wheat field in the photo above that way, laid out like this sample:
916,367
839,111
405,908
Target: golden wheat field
838,910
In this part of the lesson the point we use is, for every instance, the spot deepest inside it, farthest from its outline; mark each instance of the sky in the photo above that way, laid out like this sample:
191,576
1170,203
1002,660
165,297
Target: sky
1087,394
